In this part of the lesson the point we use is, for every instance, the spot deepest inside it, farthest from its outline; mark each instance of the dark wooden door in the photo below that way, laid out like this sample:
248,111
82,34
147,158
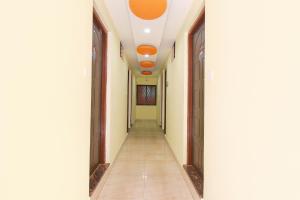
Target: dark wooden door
146,95
97,139
195,162
198,98
166,82
96,99
161,99
129,100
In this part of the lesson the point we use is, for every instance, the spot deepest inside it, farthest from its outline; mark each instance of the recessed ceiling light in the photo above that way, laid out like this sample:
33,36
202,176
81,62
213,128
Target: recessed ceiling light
147,56
147,30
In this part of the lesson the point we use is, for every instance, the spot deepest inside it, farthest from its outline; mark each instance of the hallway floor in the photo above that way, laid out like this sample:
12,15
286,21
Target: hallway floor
145,169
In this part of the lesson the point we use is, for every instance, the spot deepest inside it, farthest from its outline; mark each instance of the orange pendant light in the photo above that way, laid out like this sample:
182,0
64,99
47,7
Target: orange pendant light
147,64
147,50
147,73
148,9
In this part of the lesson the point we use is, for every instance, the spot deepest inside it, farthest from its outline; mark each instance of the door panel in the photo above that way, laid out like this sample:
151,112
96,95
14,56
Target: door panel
165,122
98,103
98,97
198,99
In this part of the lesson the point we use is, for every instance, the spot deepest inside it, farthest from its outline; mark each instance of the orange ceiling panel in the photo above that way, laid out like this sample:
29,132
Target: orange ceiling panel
147,64
146,72
147,49
148,9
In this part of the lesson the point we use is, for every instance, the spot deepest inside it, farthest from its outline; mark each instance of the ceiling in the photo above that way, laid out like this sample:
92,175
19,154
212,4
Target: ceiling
163,30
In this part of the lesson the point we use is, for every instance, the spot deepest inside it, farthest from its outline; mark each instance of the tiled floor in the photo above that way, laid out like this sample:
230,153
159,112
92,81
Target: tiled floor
145,169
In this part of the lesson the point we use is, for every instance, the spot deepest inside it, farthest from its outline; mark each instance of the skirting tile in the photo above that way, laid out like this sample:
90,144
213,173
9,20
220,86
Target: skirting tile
196,178
96,176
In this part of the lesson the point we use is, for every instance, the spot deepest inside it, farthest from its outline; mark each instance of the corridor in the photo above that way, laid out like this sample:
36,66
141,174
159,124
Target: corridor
145,169
149,100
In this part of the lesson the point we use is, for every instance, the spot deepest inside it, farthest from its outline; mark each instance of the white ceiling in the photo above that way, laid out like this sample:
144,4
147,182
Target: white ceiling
163,29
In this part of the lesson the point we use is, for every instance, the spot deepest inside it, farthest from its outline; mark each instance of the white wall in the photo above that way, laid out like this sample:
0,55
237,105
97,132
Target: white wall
177,79
45,87
251,103
116,99
117,74
176,102
252,100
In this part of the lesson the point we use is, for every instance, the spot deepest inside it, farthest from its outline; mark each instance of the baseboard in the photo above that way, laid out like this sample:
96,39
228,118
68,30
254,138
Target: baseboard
186,177
96,176
195,177
96,193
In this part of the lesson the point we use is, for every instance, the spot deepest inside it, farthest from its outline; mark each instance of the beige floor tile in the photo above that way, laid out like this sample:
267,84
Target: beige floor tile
162,168
134,148
122,191
130,156
145,169
167,197
126,180
133,168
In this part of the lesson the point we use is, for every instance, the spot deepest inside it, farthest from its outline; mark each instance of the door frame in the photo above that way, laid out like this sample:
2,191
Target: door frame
96,175
161,99
129,99
196,178
102,149
200,20
165,101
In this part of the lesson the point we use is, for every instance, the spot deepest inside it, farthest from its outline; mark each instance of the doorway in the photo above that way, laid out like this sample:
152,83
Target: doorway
98,103
165,102
129,100
195,163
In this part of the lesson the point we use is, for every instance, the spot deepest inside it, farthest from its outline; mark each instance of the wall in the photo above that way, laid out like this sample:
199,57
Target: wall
45,85
177,76
117,76
252,100
176,101
146,112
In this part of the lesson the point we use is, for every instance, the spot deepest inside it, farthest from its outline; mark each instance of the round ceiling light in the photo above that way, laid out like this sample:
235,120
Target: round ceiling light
148,9
147,30
147,64
147,50
147,73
